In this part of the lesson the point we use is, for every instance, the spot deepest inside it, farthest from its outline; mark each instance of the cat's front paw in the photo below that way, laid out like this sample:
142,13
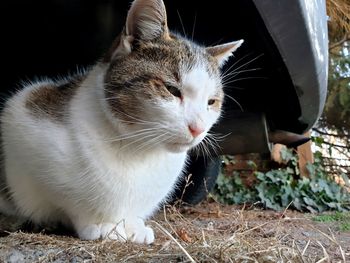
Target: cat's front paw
139,233
143,236
103,231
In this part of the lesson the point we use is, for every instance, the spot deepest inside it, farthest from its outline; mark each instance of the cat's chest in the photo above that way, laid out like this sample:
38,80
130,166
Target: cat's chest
142,182
155,169
152,172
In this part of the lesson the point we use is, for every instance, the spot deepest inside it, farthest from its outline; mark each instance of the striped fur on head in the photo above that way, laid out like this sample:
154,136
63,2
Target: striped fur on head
159,77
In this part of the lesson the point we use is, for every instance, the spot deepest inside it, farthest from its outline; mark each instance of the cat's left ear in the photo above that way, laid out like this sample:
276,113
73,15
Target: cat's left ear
222,52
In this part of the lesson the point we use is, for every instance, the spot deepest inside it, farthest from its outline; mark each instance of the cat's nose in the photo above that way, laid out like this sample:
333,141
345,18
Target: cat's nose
195,129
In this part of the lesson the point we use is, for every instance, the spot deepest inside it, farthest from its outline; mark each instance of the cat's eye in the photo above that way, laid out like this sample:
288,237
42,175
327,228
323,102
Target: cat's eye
174,91
214,104
211,102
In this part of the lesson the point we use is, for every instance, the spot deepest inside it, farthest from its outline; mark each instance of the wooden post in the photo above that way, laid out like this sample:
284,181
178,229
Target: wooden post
276,153
305,156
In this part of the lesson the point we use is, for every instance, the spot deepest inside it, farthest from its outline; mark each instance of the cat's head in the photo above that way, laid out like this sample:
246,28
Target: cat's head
160,88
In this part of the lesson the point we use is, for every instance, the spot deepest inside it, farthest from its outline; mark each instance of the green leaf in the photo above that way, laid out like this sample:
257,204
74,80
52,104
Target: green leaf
277,188
317,140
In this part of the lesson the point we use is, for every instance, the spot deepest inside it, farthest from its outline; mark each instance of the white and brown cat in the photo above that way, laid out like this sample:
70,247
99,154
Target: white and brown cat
102,150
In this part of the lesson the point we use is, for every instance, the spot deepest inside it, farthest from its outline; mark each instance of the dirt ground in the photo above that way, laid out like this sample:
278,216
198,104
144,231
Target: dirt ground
209,232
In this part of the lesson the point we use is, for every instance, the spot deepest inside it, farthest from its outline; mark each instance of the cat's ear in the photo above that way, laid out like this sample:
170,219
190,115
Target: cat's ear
146,21
224,51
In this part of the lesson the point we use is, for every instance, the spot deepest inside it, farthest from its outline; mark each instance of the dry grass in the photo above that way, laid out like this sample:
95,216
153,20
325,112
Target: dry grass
206,233
339,24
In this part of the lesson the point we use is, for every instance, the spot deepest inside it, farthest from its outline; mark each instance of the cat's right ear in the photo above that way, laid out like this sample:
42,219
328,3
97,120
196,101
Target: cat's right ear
146,20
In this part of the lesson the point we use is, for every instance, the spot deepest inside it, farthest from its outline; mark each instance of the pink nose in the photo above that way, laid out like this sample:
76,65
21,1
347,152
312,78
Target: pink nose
195,130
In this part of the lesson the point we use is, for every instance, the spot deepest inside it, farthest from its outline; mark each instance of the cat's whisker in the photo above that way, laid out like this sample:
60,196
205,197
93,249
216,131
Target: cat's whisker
210,143
218,137
158,141
121,138
223,74
181,22
146,143
134,122
241,66
140,121
210,148
236,73
157,124
126,136
168,139
152,143
235,101
194,25
249,62
240,79
198,150
143,138
213,143
201,150
207,151
139,134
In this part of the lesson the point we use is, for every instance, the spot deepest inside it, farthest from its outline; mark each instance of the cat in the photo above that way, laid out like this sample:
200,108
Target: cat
100,151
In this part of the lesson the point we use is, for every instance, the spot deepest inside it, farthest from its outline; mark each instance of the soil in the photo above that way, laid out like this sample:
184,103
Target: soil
209,232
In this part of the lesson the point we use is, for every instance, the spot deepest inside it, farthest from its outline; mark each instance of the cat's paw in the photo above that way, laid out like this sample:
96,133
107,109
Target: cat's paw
104,231
143,236
89,232
139,233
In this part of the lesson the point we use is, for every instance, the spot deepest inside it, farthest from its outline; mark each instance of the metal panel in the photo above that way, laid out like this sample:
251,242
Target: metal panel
299,30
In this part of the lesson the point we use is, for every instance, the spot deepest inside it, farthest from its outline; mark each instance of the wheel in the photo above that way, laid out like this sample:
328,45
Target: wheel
199,180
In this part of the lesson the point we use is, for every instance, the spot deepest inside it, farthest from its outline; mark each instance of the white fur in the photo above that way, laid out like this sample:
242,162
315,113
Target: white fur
94,171
76,173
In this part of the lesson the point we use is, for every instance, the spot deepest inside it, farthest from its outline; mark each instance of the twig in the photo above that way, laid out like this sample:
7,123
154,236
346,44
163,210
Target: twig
324,234
335,145
305,248
174,239
326,256
342,253
340,42
252,229
301,256
322,259
330,134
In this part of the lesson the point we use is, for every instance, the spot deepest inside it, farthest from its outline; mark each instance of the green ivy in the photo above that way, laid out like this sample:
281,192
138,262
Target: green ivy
281,188
231,190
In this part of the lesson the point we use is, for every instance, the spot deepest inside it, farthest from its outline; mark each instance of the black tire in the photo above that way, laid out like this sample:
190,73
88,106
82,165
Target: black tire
199,180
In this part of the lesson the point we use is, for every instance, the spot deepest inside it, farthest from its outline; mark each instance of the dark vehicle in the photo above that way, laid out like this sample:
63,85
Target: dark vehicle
276,84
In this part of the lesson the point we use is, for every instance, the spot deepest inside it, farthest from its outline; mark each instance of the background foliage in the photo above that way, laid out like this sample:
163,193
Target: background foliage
281,188
334,126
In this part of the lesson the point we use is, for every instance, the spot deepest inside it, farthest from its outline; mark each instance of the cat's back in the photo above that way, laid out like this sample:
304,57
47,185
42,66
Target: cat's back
43,101
34,120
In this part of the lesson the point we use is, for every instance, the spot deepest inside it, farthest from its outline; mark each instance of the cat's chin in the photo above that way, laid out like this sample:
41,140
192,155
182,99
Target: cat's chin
179,147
